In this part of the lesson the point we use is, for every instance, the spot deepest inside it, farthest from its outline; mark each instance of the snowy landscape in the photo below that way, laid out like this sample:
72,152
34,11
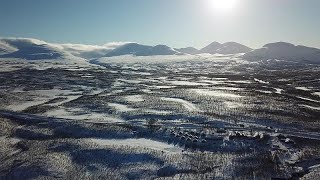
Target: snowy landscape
133,111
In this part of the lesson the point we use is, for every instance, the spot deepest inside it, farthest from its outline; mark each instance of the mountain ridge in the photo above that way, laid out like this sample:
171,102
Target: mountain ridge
218,48
141,50
34,49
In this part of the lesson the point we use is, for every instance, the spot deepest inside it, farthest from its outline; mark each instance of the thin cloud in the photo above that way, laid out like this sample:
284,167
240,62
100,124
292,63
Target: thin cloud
113,45
85,47
69,46
81,47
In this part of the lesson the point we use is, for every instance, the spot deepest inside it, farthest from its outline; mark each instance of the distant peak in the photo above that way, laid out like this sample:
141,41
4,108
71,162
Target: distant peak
131,44
161,46
279,44
215,43
225,48
231,43
187,50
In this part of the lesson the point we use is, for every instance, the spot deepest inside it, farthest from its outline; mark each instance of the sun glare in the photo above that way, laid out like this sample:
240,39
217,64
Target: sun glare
223,5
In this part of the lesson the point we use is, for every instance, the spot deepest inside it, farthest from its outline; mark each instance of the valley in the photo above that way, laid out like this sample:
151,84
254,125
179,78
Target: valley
152,117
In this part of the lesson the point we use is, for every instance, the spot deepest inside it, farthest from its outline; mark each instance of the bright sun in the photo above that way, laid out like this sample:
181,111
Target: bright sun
223,5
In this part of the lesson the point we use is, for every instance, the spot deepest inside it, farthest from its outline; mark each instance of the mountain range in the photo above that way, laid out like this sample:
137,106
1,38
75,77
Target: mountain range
217,48
225,48
142,50
33,49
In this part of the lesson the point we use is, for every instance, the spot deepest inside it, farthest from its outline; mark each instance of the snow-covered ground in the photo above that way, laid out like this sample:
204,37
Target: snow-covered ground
193,113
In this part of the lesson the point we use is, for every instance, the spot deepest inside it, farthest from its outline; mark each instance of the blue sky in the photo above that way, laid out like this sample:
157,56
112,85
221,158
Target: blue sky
177,23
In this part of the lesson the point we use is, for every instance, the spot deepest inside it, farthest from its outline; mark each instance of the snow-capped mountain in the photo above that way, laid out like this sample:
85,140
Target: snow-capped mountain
284,51
233,48
225,48
141,50
211,48
30,49
187,50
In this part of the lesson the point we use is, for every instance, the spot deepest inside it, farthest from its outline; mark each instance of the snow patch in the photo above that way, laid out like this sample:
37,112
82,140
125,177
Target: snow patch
189,106
134,98
308,99
80,114
25,105
187,83
266,92
232,105
316,93
206,92
120,107
261,81
303,88
278,90
141,142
